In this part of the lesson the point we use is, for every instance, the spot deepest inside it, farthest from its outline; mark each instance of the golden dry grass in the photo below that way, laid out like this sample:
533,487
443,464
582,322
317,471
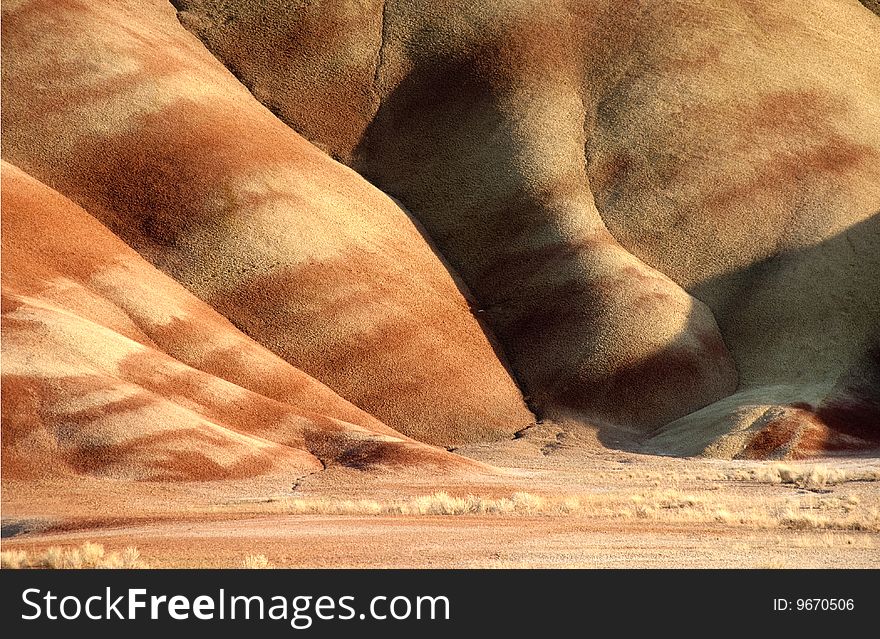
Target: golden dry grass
842,512
808,477
806,519
440,503
88,555
13,559
256,561
845,512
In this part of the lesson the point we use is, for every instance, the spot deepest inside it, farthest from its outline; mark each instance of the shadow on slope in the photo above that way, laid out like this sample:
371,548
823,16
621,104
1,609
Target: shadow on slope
814,315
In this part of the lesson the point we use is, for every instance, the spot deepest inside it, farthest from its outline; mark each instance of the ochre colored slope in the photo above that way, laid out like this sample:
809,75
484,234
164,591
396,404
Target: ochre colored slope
313,64
738,152
735,148
668,212
119,108
579,164
485,99
110,368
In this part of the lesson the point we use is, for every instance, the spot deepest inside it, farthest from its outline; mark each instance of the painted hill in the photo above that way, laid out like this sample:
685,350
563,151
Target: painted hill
658,205
124,112
112,369
661,218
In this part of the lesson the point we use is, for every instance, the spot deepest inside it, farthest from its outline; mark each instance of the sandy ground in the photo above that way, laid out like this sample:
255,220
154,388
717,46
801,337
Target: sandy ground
633,510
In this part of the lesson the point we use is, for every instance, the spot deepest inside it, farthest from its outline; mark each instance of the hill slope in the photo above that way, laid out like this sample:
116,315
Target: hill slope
110,368
656,204
660,217
123,111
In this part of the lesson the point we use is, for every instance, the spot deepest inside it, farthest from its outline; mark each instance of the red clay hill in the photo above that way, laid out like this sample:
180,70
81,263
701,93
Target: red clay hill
244,235
112,369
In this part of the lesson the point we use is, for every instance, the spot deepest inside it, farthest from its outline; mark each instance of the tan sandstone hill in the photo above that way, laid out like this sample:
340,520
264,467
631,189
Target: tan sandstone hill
656,217
119,108
657,205
112,369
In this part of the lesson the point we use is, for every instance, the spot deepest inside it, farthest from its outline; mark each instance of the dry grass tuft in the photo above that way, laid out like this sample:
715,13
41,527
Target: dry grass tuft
814,477
13,559
256,561
88,555
807,519
441,503
670,504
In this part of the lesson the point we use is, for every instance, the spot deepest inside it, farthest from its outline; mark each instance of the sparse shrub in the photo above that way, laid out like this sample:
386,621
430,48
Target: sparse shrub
131,557
332,507
256,561
441,503
72,558
570,505
13,559
667,503
808,520
89,555
815,477
528,503
53,557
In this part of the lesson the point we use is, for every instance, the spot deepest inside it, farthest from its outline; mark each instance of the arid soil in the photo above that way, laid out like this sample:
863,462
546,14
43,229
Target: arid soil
452,283
601,508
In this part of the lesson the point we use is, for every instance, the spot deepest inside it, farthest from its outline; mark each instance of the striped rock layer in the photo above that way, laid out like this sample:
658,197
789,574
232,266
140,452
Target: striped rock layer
657,217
